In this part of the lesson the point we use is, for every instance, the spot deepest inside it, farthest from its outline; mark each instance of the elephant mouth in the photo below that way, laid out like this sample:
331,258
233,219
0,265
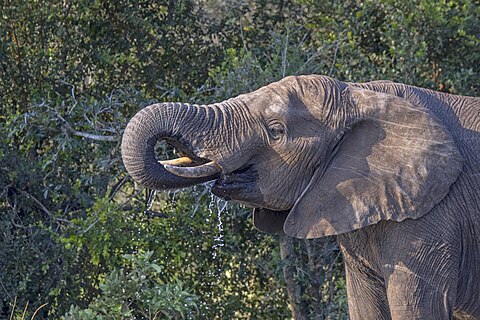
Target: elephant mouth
189,165
239,185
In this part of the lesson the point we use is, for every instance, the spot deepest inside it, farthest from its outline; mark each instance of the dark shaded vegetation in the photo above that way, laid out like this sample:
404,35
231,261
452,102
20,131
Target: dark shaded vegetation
73,230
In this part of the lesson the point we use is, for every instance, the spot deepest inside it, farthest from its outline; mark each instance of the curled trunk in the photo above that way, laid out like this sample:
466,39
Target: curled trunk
166,121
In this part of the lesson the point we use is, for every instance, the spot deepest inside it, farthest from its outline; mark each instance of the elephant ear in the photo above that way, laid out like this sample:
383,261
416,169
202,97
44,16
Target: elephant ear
269,221
396,162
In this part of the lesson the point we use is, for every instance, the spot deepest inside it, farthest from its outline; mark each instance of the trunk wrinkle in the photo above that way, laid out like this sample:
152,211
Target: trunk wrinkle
153,123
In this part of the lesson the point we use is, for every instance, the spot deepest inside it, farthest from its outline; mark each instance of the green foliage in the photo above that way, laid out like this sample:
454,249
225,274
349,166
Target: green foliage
421,42
139,292
73,72
72,213
97,46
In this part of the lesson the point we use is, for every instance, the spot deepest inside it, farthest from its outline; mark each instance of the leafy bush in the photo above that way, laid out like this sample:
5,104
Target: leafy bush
71,215
73,73
138,293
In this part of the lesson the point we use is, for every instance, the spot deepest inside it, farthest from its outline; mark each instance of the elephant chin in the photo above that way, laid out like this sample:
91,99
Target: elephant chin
239,195
240,186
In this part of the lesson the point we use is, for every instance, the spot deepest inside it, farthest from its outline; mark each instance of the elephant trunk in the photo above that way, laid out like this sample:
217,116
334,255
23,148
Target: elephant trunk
171,122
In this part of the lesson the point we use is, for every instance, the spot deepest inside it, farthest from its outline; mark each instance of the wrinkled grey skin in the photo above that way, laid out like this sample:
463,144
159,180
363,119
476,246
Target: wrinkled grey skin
393,170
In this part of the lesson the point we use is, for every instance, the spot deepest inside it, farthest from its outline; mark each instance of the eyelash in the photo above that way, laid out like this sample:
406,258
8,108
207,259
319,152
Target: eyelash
276,129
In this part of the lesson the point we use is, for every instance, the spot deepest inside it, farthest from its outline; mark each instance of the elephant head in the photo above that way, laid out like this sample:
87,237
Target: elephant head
314,156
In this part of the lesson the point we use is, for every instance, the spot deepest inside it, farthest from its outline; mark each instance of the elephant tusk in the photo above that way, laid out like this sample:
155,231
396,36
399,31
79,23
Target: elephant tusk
183,161
201,171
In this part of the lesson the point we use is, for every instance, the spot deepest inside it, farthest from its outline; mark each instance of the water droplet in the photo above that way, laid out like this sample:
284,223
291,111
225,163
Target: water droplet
219,205
150,199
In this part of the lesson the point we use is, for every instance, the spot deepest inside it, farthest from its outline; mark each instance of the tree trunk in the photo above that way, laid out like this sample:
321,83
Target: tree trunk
314,269
287,253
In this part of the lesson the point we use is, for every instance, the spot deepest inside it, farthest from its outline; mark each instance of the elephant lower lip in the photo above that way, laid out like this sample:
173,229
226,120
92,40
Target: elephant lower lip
246,193
236,184
230,191
221,192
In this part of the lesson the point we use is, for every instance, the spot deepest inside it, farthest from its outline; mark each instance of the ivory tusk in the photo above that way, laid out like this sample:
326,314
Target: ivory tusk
183,161
200,171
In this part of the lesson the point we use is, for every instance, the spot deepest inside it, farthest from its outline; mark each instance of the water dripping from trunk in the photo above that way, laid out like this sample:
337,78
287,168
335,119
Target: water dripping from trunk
172,194
150,196
216,207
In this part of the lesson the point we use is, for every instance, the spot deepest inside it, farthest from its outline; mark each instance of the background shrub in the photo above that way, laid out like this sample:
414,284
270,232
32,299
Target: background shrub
73,225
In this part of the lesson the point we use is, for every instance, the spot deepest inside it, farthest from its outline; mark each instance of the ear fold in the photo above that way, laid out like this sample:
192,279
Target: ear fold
397,162
269,221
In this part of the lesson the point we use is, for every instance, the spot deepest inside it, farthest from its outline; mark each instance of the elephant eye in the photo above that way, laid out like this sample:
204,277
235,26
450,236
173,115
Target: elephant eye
276,129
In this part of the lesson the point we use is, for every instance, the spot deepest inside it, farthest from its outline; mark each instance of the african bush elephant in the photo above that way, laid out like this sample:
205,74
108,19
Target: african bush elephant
392,169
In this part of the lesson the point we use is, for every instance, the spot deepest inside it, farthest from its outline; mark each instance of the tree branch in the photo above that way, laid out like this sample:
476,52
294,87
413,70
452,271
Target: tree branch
90,136
93,136
44,209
